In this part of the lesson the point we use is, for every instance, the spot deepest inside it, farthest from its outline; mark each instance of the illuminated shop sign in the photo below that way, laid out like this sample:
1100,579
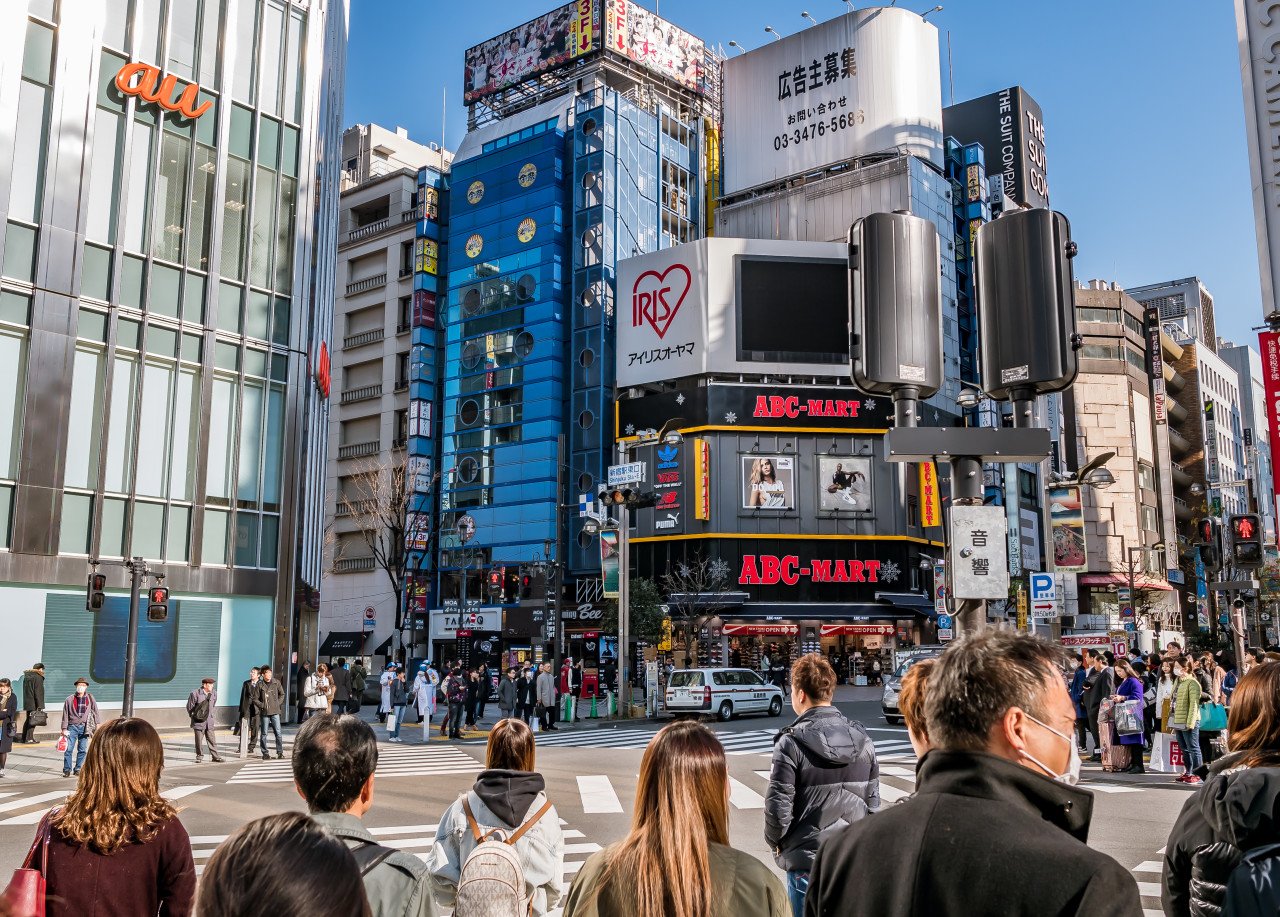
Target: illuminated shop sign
145,82
769,570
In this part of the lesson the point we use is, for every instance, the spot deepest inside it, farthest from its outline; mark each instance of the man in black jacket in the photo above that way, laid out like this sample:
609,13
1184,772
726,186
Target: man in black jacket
340,675
995,826
1101,684
269,698
32,699
249,709
824,776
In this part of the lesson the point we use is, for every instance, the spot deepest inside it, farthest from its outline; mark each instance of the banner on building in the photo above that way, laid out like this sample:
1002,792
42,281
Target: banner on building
1269,343
610,563
930,501
844,484
768,482
1066,524
702,480
1211,469
650,41
532,49
1258,31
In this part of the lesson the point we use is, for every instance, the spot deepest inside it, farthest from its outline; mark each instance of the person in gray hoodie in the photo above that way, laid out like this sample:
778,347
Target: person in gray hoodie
824,776
507,795
507,693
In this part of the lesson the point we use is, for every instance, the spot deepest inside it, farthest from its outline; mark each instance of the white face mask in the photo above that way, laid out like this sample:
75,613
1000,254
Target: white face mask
1177,671
1072,774
80,689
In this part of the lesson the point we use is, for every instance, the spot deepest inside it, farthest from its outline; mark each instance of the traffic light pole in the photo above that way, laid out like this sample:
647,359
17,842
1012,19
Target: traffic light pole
137,569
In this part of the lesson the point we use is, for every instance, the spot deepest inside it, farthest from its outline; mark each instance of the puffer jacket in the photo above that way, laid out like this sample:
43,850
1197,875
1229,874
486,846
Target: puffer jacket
824,777
1236,810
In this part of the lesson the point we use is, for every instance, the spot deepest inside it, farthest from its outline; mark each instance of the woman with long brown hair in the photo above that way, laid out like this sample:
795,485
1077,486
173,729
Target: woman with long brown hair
1237,809
676,861
117,849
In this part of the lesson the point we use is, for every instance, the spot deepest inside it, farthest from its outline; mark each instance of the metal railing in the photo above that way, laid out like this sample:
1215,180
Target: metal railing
369,229
411,215
353,565
403,328
364,337
362,393
358,450
355,507
369,283
406,273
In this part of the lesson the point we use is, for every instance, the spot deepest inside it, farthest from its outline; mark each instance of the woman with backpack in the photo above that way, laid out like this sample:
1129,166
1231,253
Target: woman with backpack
1236,811
676,861
503,826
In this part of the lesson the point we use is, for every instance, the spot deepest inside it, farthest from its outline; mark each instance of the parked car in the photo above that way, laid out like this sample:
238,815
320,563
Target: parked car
722,692
893,685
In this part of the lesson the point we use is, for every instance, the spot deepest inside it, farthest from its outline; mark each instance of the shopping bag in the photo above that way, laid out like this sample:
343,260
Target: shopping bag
25,894
1160,763
62,743
1128,716
1213,717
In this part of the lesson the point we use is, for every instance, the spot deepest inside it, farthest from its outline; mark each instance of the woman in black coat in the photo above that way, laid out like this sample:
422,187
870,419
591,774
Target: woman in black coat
8,721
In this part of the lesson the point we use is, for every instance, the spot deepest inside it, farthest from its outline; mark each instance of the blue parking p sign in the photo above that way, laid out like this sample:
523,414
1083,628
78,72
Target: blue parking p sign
1042,587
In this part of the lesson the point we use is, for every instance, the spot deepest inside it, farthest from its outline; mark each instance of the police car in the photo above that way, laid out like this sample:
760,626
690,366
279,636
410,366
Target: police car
722,692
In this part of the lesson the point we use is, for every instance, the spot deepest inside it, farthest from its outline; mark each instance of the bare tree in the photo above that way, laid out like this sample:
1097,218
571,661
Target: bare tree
695,589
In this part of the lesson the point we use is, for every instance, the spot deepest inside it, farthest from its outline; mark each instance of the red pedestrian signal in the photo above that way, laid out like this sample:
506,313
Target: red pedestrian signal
158,604
97,592
1246,540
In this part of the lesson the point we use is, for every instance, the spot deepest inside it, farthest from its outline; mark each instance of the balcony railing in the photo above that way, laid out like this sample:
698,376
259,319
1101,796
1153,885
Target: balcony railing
355,507
400,442
402,385
364,337
358,450
405,273
363,393
369,229
353,565
403,328
369,283
411,215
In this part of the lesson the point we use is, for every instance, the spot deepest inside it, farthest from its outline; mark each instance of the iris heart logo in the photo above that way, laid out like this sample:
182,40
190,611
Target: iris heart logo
655,299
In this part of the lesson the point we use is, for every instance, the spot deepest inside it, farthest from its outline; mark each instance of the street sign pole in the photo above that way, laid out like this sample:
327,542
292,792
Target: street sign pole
137,568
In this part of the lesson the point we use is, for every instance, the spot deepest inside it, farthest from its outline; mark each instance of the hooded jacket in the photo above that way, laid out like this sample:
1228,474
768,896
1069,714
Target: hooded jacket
824,777
502,799
399,886
1236,810
32,690
982,835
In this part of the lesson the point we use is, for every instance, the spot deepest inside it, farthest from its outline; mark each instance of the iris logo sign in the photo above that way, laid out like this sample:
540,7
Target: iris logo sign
656,297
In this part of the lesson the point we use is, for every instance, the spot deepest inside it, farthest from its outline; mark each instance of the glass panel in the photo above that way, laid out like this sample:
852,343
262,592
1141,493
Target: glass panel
177,547
257,315
27,184
117,23
250,442
270,541
289,151
162,341
242,73
171,197
163,298
192,347
193,299
95,282
241,132
128,333
226,356
268,143
15,308
131,282
183,19
269,62
77,516
148,530
279,368
20,252
235,203
140,167
246,540
104,177
213,546
124,379
146,30
186,432
91,326
6,515
222,414
201,222
280,322
229,307
111,542
13,374
210,23
274,448
264,209
293,69
109,97
284,234
207,128
84,432
37,58
255,362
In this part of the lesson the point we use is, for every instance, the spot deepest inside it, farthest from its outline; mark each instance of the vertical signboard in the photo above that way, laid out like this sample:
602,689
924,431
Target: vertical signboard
1269,342
702,480
1010,126
930,501
1258,30
1066,525
1210,443
610,564
978,559
1160,419
668,483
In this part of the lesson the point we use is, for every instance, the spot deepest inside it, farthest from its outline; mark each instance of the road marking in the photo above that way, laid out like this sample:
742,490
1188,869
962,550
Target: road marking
178,792
742,796
898,729
581,848
890,794
1149,889
34,816
32,800
598,795
1149,866
1109,788
894,770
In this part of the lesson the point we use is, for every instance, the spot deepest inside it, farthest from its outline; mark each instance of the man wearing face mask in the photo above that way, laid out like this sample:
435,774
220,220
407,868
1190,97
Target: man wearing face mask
996,788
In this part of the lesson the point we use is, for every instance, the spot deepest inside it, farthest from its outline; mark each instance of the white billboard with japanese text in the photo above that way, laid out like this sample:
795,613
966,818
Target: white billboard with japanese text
861,83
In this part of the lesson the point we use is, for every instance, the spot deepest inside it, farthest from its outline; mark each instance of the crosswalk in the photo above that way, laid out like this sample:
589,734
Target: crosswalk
1147,875
752,742
29,808
393,761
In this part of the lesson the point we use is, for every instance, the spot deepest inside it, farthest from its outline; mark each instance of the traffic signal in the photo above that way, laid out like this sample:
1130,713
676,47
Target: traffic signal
526,583
97,592
158,603
1210,538
495,582
1246,540
630,497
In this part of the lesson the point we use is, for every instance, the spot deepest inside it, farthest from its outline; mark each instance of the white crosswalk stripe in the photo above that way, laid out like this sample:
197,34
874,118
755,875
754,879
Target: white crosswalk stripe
598,795
742,796
751,742
393,761
40,802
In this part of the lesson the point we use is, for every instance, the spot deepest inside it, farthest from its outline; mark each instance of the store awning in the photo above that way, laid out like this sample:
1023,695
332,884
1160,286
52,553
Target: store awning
342,643
761,630
824,611
910,601
1120,579
384,648
858,630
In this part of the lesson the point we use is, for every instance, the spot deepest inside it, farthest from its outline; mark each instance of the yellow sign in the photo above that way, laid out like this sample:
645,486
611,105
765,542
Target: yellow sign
664,645
475,243
526,229
426,256
702,479
528,175
475,192
1022,609
930,501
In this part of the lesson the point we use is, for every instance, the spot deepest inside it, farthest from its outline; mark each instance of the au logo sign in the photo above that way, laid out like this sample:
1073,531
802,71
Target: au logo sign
144,81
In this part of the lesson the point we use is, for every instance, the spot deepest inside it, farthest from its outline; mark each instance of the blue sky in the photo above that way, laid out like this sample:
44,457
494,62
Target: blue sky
1142,102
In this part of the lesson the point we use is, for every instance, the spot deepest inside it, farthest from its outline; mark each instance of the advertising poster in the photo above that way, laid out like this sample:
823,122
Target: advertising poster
646,38
768,482
668,483
1269,343
529,50
844,484
1066,522
609,563
930,500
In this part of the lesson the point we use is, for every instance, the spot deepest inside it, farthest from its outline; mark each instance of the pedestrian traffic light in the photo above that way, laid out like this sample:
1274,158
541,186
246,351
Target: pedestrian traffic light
630,497
526,583
1210,538
1246,540
495,582
97,592
158,603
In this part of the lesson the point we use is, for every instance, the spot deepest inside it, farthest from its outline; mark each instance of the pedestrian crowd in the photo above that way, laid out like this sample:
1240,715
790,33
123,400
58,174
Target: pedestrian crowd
995,721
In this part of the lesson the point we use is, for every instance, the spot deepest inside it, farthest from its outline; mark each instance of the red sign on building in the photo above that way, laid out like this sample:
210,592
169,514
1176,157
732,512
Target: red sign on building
1269,343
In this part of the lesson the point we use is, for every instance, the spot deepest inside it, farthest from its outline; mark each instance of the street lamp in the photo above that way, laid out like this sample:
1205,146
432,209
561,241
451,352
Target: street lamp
805,15
936,9
774,32
734,44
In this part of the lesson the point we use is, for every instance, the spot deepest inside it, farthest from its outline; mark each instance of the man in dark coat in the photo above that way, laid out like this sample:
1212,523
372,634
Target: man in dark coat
340,675
249,709
824,776
32,699
1100,685
995,826
525,695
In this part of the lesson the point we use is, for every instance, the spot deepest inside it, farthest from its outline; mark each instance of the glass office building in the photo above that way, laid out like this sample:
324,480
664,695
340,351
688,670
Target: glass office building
165,276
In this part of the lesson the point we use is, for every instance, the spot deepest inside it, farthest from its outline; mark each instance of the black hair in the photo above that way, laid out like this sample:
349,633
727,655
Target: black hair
342,660
283,864
333,757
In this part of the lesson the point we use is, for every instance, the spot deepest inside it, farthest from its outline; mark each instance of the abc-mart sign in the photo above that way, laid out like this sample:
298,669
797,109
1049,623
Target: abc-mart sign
677,309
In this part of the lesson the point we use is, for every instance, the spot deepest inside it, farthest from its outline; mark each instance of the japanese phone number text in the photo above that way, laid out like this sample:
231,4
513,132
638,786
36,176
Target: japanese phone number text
818,129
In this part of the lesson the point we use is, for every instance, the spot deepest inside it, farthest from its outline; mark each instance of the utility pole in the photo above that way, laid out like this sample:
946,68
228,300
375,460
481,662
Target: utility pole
137,569
624,598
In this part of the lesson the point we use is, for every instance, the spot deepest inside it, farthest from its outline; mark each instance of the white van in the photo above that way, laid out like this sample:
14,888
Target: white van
722,692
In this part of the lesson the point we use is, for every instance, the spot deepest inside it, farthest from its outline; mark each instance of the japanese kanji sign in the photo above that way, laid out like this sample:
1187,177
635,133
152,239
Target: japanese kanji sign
979,562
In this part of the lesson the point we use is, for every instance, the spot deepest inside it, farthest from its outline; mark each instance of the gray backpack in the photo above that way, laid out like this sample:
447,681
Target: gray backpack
492,883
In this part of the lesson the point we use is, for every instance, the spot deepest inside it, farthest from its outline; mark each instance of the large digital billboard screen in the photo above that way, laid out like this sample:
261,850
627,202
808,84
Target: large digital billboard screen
793,310
529,50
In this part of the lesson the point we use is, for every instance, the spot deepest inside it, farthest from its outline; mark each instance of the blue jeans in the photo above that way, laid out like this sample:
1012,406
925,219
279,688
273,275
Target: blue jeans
398,710
274,723
78,742
797,888
1189,739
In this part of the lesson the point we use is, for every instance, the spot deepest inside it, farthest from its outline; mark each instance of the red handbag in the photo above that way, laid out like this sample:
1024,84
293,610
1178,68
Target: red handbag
25,895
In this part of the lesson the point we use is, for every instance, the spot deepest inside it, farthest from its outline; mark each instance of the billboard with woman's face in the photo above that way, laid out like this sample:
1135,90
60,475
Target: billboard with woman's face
768,482
844,484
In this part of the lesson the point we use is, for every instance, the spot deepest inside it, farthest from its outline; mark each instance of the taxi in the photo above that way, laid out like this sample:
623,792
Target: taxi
722,692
